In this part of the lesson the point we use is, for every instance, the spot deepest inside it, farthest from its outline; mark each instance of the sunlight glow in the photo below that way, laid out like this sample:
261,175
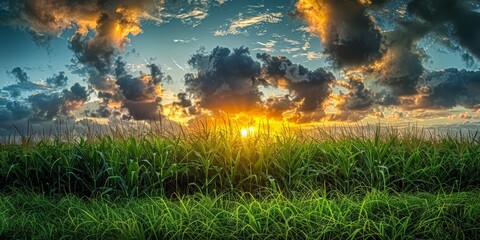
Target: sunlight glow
246,132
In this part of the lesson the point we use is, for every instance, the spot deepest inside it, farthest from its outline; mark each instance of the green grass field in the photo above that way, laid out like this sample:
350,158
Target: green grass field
342,183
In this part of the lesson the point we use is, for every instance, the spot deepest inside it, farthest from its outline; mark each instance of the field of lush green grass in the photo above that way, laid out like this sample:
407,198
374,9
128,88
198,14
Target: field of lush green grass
377,183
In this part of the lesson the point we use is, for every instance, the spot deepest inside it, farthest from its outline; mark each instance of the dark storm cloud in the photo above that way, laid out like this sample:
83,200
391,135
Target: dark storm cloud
101,31
396,62
23,83
101,112
96,56
19,75
358,96
46,107
183,100
111,21
76,93
13,111
276,107
385,98
94,52
156,73
230,81
225,80
349,35
308,89
136,89
185,104
401,67
447,89
141,94
439,90
356,103
455,19
143,110
57,80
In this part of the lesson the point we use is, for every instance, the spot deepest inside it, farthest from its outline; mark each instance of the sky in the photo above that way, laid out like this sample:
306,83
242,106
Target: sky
303,62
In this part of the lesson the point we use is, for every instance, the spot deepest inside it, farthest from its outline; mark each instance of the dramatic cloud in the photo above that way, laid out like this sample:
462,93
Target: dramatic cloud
19,75
43,106
392,59
97,53
183,100
156,73
75,97
225,80
438,90
229,81
279,107
46,107
348,34
356,103
57,80
447,89
455,19
358,97
13,111
400,69
23,83
102,30
185,103
112,20
308,89
141,95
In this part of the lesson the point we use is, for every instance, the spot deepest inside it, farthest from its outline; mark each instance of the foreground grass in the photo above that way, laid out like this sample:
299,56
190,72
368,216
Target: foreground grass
220,162
214,184
376,215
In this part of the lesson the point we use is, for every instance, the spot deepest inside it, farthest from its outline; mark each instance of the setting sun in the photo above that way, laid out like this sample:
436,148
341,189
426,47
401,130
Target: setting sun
246,132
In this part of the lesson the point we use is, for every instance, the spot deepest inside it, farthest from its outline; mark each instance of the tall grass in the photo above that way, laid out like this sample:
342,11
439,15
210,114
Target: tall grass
215,159
156,181
375,215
